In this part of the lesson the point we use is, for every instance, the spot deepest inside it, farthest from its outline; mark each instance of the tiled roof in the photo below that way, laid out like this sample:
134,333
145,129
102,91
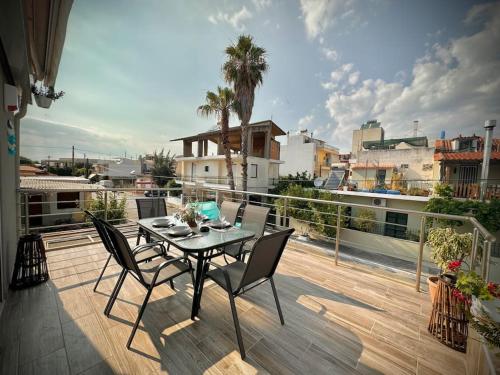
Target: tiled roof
51,183
445,144
468,155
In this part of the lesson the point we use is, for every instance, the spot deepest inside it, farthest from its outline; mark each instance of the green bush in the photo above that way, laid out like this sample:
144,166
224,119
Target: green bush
117,213
365,221
443,190
171,185
447,245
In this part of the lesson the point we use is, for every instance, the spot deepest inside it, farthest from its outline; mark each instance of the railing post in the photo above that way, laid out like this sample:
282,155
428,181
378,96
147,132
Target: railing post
285,209
485,269
475,240
217,197
26,214
420,253
337,235
182,199
105,205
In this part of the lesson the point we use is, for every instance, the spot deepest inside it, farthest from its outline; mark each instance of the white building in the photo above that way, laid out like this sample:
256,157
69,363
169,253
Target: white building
123,172
303,153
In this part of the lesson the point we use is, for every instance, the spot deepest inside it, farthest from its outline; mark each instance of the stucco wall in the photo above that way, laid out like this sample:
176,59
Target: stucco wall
298,157
8,236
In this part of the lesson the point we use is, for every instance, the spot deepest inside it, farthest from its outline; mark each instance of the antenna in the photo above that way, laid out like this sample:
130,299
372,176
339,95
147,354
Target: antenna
415,128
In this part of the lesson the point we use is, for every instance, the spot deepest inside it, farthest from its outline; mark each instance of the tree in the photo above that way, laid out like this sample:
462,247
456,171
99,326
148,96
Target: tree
26,161
163,167
246,63
221,104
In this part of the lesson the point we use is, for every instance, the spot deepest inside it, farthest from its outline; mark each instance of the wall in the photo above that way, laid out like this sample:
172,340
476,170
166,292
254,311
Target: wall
298,156
361,135
8,227
414,157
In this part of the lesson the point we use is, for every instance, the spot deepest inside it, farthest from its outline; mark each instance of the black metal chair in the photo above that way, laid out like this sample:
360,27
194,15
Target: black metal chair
147,251
238,277
230,211
146,208
254,219
149,274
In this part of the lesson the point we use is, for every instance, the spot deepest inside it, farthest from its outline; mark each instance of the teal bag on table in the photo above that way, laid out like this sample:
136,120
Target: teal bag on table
209,209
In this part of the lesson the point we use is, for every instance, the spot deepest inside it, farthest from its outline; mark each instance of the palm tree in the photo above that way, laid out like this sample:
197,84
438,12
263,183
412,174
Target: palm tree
246,63
163,167
221,104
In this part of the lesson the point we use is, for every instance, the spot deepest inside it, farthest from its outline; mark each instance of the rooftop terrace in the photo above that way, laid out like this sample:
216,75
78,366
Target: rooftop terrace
339,320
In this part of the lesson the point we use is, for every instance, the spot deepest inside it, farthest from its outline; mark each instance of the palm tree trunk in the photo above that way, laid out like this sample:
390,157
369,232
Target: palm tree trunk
227,149
244,155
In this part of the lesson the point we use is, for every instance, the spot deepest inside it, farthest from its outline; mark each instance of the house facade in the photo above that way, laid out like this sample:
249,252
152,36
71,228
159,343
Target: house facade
458,162
303,153
201,166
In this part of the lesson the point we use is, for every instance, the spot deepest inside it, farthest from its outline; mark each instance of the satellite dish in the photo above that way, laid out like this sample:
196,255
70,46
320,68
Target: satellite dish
318,182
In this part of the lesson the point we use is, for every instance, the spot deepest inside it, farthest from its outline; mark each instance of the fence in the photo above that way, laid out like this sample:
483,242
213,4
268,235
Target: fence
325,219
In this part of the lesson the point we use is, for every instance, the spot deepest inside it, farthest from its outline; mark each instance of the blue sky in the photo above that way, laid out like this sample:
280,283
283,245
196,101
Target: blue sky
134,72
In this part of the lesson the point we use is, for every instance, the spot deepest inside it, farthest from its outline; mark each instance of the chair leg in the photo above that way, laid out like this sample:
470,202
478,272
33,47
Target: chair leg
115,292
138,239
141,311
277,301
236,325
102,272
172,284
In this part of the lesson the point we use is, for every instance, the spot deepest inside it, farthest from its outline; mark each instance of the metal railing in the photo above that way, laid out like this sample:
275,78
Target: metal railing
326,219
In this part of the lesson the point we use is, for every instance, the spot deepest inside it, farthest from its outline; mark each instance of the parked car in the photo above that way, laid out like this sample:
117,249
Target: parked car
155,193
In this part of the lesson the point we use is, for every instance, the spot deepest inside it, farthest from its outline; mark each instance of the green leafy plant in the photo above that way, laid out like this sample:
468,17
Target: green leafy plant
116,212
471,284
365,221
448,245
47,92
173,185
163,167
443,190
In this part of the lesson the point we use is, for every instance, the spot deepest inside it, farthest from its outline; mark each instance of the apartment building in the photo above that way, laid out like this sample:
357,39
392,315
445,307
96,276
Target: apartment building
303,153
209,167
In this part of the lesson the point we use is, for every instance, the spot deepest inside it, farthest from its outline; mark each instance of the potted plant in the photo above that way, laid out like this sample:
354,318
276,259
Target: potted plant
44,96
188,215
447,246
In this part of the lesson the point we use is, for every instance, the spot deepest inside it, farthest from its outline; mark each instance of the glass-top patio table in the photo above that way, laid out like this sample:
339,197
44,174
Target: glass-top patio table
199,246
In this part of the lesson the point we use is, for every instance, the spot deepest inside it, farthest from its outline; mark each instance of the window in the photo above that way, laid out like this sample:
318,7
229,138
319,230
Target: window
206,168
68,200
404,166
253,170
381,176
396,224
427,167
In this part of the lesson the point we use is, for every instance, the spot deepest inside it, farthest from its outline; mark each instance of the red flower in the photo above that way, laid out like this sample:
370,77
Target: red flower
494,289
461,297
454,266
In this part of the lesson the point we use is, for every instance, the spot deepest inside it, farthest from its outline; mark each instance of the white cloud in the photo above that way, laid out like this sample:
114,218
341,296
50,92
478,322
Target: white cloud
339,74
304,121
319,15
353,78
277,101
330,53
235,19
261,4
455,87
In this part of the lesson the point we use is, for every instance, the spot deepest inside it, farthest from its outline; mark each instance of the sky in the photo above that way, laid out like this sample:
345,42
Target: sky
134,72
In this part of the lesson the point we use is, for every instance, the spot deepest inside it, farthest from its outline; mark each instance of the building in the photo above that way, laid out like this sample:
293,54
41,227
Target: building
210,168
63,205
399,163
122,172
303,153
370,131
32,38
458,162
30,170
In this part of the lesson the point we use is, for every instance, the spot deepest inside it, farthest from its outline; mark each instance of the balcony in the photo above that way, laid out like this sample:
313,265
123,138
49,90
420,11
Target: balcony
357,322
343,313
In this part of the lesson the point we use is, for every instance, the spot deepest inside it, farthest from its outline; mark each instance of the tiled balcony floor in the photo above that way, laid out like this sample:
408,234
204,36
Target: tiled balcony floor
339,320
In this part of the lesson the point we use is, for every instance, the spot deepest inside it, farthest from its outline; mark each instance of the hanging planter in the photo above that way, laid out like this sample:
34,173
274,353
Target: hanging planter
44,96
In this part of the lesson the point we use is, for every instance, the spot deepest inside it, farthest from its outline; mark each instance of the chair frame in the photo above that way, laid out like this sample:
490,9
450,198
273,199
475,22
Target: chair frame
241,289
109,247
137,274
238,204
141,232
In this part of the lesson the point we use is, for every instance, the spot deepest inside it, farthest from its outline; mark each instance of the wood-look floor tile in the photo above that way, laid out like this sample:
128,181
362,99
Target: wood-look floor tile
52,364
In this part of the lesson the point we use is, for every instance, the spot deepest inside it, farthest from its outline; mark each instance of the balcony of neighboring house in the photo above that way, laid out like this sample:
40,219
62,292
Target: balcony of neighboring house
350,310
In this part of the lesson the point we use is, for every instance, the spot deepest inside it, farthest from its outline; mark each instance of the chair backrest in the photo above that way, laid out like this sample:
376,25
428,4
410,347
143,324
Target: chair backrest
151,207
122,248
265,256
101,232
255,219
230,211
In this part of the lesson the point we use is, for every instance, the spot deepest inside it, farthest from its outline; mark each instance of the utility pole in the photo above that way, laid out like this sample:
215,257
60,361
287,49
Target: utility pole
488,140
73,159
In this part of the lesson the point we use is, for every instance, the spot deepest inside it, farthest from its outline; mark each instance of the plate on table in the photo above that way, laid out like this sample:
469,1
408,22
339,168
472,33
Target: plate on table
179,231
217,224
161,223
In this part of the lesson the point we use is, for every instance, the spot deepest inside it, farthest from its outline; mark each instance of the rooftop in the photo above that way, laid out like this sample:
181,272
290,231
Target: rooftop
391,143
358,322
57,183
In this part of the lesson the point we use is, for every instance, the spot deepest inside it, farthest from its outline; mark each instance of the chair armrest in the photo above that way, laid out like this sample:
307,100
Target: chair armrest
166,264
147,246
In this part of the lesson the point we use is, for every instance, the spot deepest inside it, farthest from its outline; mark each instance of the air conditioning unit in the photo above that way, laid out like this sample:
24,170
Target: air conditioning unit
379,202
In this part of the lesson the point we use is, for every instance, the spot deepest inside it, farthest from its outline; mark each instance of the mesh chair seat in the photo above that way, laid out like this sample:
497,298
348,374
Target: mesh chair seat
236,249
149,253
235,271
149,269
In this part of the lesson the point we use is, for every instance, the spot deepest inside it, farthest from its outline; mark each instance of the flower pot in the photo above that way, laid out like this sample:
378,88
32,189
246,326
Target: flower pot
43,101
432,282
192,224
